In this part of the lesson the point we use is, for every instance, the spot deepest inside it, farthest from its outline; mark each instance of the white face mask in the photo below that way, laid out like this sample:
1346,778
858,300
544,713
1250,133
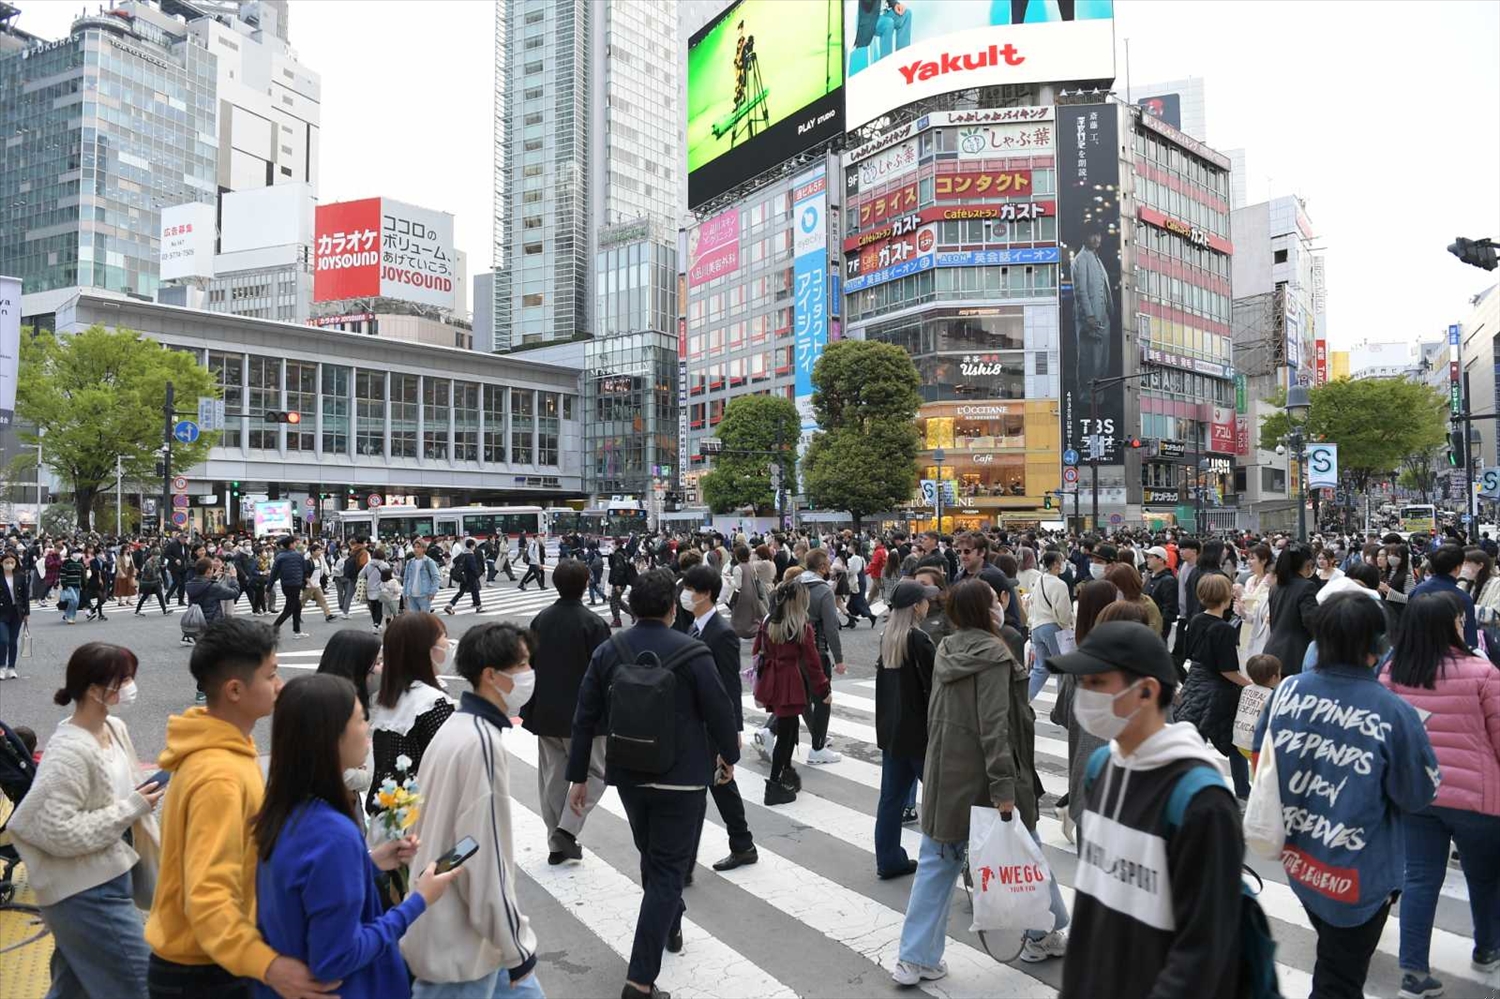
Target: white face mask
439,654
688,599
520,693
1095,711
1096,569
128,693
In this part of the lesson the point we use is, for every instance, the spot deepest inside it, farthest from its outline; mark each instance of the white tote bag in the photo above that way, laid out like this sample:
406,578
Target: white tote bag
1265,832
1012,882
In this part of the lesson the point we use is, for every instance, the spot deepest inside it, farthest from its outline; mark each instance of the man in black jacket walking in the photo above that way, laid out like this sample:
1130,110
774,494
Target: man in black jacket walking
290,568
567,635
1161,587
466,566
176,555
664,809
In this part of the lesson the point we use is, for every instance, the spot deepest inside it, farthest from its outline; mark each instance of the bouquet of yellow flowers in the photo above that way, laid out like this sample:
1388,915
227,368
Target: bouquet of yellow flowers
400,807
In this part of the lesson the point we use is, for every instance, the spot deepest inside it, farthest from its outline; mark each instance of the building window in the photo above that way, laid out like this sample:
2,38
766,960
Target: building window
528,300
548,429
1279,257
301,398
265,394
404,416
522,422
229,372
531,249
437,405
494,424
465,421
335,409
369,402
532,119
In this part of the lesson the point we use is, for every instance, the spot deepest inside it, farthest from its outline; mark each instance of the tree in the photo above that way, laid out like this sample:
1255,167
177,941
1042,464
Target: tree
1377,424
95,395
1419,472
751,423
864,457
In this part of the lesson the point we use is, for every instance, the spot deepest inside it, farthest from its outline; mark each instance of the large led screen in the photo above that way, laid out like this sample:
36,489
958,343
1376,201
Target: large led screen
765,81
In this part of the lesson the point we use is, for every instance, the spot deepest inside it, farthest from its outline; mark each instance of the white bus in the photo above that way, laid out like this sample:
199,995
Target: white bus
458,521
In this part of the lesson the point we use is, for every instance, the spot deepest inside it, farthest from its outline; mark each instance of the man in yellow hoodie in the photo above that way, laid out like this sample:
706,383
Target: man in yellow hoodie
202,933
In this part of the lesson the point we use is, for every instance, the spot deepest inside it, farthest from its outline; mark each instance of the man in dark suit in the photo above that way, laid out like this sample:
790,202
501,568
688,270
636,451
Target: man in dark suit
664,809
701,586
176,554
567,635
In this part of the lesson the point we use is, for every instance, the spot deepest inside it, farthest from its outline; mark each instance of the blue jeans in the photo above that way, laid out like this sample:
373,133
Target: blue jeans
495,985
924,933
1239,772
1428,834
1044,644
80,923
898,781
423,604
69,599
10,638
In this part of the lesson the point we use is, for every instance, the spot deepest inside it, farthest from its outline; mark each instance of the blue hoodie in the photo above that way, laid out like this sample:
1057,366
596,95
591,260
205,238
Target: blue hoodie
1351,757
317,902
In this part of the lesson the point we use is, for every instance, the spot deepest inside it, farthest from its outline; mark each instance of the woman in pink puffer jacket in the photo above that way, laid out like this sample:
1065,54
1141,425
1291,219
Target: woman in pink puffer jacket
1458,696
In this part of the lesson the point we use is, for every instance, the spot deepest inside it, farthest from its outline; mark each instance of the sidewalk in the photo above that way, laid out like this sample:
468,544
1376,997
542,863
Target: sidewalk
24,971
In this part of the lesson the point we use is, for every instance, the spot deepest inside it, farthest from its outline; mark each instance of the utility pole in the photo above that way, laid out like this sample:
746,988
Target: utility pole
119,485
167,411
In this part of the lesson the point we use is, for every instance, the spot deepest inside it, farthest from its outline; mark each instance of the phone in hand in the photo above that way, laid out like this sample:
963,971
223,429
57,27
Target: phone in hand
721,774
461,852
159,778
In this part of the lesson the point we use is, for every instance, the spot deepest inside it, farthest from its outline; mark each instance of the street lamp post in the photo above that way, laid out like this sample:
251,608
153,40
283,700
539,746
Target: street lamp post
1298,404
937,459
1203,466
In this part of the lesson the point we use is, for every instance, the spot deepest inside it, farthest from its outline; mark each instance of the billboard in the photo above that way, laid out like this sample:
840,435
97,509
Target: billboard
765,81
10,346
187,241
714,248
898,52
383,247
809,283
1166,107
275,516
1088,227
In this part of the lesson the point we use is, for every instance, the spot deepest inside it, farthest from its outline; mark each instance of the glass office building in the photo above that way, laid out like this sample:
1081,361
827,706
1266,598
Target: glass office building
630,413
103,129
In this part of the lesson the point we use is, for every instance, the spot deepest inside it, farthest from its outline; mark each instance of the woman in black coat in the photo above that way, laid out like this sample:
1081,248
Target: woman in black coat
15,609
1294,606
903,683
1211,692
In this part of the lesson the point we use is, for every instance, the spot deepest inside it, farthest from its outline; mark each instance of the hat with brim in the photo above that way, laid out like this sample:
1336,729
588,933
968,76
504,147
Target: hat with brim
909,593
1119,645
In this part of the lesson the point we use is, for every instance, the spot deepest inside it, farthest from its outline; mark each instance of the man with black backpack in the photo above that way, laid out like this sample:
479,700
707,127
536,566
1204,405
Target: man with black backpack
655,694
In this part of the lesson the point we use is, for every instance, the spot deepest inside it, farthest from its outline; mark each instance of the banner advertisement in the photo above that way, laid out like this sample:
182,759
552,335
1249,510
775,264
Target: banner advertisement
877,210
1088,221
1241,434
764,82
1011,211
418,258
1166,107
987,141
1221,432
275,516
187,241
956,258
809,283
898,53
346,250
892,251
981,183
1320,371
714,248
1322,466
10,347
886,166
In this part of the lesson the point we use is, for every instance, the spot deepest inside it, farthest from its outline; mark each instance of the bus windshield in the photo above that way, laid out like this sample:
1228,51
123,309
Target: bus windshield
1419,517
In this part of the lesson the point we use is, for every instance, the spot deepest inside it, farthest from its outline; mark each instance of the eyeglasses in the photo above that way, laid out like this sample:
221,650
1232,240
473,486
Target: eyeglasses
965,551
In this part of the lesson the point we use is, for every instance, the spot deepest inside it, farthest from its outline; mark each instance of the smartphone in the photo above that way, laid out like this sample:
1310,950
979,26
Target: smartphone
721,775
465,849
159,778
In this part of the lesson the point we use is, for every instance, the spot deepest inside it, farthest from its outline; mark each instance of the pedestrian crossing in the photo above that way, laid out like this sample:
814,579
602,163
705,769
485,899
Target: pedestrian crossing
815,880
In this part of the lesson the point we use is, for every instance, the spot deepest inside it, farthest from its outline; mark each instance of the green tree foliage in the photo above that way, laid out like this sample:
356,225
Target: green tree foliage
863,458
97,394
751,423
1378,423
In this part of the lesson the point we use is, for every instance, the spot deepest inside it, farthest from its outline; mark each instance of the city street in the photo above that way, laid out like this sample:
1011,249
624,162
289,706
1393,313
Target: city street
809,919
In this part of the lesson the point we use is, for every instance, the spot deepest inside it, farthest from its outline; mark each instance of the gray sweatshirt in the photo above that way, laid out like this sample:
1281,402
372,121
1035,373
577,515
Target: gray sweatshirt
823,611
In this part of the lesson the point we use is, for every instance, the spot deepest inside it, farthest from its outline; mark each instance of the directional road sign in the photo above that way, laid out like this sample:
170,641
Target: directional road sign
1465,519
210,413
1070,457
186,432
181,501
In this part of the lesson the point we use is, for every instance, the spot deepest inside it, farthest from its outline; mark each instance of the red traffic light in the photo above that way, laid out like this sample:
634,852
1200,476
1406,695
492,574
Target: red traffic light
1136,442
294,417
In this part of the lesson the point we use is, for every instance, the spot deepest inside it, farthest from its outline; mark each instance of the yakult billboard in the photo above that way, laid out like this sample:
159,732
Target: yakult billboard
899,51
387,248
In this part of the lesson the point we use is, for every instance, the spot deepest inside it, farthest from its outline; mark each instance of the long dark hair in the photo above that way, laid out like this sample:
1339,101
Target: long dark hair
1211,556
1486,570
1399,572
409,641
1093,597
1428,635
311,714
968,606
1289,564
351,654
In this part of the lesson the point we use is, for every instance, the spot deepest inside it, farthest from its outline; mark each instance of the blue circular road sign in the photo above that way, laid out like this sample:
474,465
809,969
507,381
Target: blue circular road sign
186,432
1070,457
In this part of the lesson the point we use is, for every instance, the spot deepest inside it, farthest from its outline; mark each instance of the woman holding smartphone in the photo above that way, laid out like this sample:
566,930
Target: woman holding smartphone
315,886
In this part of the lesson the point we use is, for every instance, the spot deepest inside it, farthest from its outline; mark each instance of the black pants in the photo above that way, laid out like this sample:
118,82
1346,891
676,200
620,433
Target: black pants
786,742
166,980
471,587
257,596
1344,955
376,610
293,602
147,592
179,585
731,808
534,571
817,712
664,825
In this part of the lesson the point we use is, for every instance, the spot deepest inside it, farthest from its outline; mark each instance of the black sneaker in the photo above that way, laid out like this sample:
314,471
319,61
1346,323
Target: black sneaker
631,992
900,872
792,779
1419,987
674,940
571,851
1485,960
778,794
908,816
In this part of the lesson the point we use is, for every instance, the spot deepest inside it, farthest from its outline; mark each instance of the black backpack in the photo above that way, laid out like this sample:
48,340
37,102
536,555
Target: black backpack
642,695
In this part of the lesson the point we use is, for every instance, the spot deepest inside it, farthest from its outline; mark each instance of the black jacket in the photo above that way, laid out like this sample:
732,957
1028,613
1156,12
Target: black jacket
621,569
289,568
704,718
15,606
901,699
1209,701
1294,607
1162,588
206,592
567,635
719,635
176,555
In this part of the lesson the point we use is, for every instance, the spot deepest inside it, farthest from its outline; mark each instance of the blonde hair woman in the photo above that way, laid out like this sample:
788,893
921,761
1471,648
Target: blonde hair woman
787,667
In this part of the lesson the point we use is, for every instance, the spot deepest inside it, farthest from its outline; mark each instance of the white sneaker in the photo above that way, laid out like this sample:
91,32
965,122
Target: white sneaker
11,674
1066,818
1054,944
301,634
762,741
824,755
908,973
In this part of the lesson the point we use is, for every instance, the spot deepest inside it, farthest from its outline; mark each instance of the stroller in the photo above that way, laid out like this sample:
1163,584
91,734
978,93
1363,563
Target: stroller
17,770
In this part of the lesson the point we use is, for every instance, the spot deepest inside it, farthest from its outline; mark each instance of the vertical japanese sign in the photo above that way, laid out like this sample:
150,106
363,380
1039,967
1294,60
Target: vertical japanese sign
1320,370
346,250
810,283
10,346
714,248
1088,211
1455,367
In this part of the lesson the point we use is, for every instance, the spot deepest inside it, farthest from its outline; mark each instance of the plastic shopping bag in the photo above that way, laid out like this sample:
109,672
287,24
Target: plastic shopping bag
1012,882
1265,832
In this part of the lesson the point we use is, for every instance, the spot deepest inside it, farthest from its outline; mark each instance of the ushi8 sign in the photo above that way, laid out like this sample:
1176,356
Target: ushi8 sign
387,248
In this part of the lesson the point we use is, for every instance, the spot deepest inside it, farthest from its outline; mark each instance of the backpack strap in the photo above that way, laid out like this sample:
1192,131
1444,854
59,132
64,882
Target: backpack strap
1095,766
622,647
1189,784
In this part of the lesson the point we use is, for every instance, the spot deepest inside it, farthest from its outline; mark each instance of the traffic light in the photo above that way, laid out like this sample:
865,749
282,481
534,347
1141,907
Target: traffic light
1136,443
1475,252
283,416
1047,502
1456,448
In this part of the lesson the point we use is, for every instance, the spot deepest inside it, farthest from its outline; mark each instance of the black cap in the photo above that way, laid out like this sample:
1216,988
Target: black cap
1106,551
909,593
1122,645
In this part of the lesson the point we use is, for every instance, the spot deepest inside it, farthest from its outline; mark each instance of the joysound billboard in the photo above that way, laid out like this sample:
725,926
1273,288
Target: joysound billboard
765,81
899,51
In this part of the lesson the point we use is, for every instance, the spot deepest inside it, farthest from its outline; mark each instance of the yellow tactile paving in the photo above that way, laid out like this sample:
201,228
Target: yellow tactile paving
24,971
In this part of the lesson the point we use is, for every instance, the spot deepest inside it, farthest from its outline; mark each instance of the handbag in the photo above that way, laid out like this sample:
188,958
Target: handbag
26,649
1066,638
1012,880
1265,831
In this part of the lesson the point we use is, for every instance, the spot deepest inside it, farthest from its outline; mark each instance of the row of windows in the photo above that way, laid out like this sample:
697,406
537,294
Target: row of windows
1169,157
1169,244
1182,205
1180,294
754,330
1035,281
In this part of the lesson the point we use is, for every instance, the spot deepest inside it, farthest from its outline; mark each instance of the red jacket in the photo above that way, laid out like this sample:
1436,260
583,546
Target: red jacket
877,562
786,672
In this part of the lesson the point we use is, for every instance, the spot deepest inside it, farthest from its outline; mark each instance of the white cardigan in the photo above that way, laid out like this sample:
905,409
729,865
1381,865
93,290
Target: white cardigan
70,827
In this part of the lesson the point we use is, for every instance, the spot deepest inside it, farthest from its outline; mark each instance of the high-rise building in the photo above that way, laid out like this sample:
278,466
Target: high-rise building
484,312
1180,103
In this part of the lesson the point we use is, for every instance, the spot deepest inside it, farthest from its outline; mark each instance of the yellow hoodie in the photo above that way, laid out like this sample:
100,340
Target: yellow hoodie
204,910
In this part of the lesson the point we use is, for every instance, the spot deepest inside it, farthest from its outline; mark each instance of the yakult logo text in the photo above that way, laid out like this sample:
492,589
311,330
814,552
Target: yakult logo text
950,62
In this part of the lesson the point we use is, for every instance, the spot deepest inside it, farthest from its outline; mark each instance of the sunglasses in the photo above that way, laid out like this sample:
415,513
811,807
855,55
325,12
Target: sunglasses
966,551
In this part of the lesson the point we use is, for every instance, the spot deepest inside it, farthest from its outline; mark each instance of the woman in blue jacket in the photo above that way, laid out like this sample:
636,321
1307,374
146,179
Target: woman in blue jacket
315,886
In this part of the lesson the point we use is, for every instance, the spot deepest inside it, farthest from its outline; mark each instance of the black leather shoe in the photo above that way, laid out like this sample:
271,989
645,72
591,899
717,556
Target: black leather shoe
631,992
734,860
674,940
900,872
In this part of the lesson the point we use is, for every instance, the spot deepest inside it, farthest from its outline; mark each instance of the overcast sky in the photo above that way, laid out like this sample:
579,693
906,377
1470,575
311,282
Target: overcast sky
1384,117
